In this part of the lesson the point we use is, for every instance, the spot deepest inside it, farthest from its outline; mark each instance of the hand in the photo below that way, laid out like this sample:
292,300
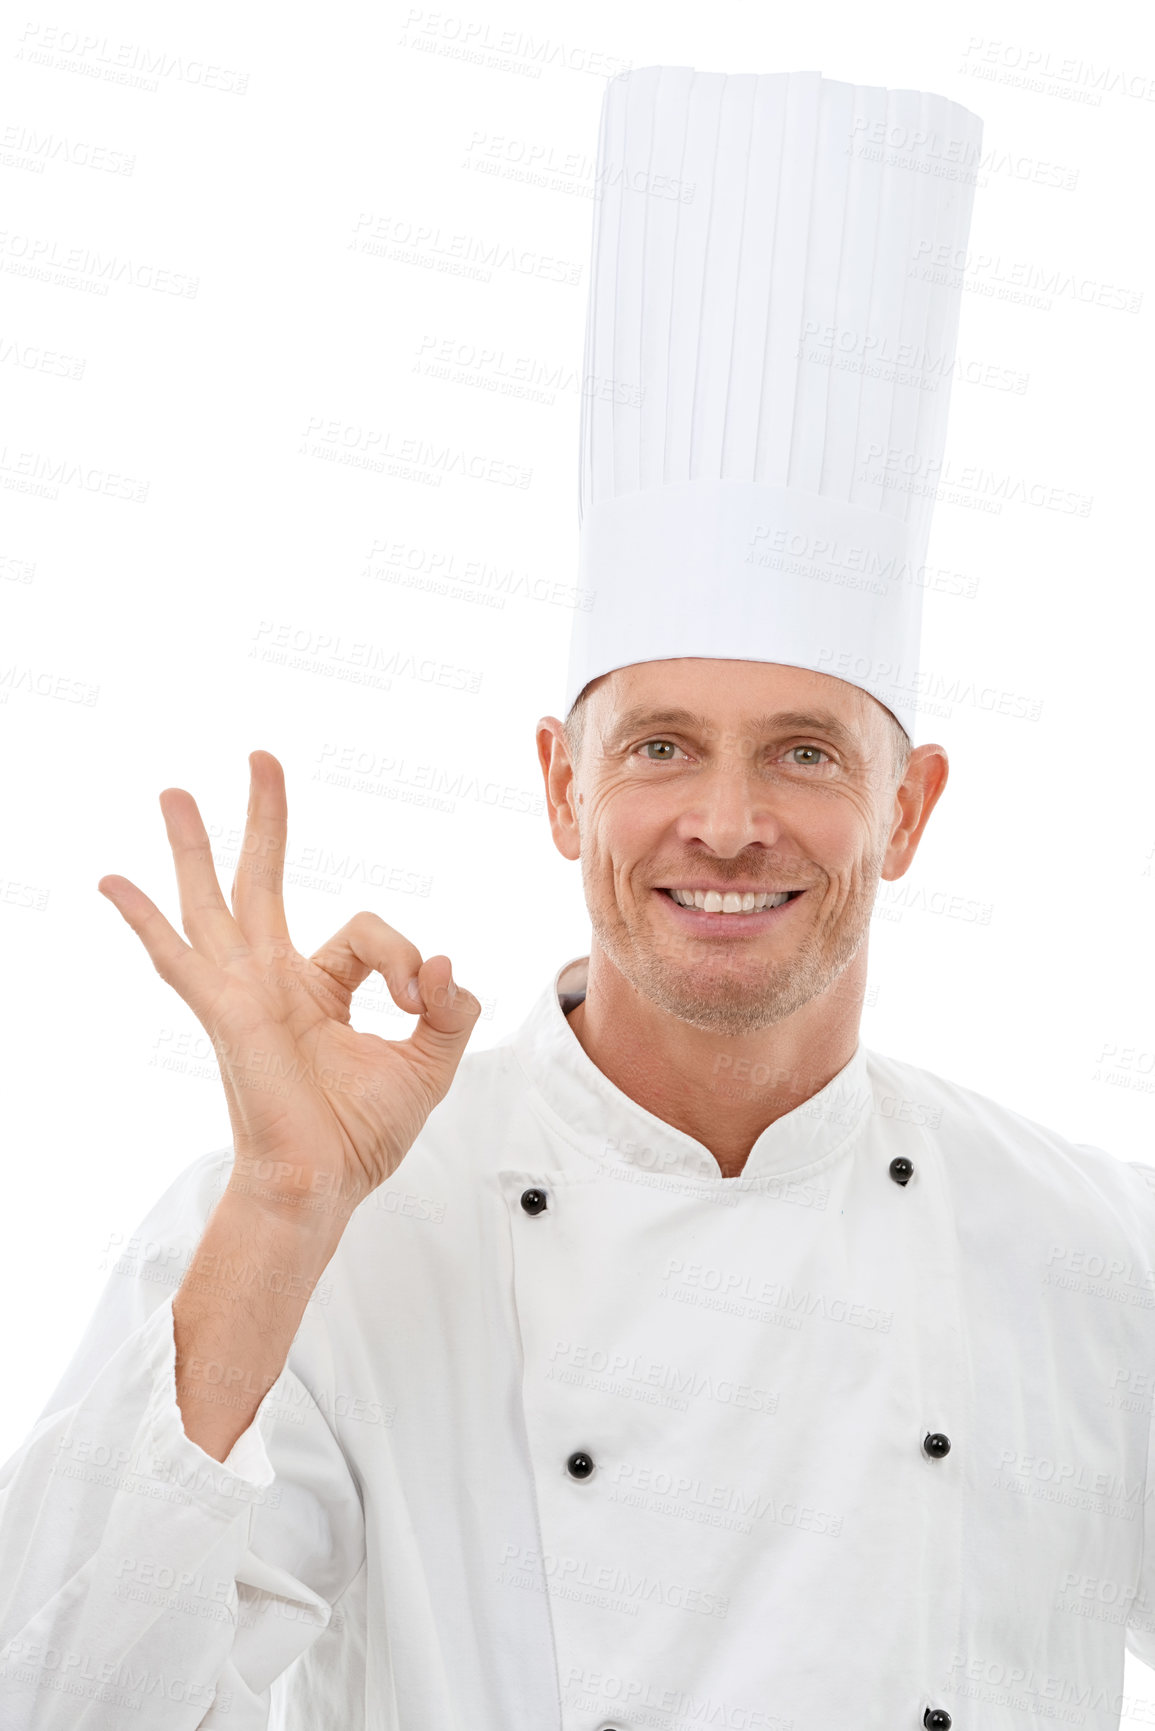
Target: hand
320,1113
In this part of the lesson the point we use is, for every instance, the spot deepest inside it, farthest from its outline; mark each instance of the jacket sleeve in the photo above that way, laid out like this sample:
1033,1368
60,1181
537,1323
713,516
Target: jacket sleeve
142,1582
1140,1630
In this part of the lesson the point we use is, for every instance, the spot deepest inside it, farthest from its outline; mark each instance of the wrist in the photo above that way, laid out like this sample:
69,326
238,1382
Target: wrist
317,1203
292,1232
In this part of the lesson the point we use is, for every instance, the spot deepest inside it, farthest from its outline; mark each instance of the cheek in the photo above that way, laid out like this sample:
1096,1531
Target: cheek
837,837
623,820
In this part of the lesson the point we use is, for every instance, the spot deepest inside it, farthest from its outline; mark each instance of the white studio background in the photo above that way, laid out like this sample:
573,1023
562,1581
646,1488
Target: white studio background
289,393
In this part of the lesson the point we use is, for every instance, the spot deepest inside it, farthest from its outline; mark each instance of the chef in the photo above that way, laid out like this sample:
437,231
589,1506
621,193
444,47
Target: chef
694,1366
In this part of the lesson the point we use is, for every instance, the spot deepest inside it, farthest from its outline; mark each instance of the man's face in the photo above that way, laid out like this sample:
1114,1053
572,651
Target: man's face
705,778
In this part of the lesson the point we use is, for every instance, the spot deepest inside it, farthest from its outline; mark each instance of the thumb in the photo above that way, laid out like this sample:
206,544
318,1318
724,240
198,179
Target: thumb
449,1014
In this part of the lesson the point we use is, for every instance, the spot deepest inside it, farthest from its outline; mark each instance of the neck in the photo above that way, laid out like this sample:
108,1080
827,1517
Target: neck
722,1089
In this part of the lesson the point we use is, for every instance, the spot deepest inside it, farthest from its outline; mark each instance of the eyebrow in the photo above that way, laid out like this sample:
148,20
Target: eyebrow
780,721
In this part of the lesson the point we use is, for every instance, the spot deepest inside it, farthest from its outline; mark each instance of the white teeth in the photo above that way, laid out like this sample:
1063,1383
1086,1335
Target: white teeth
731,902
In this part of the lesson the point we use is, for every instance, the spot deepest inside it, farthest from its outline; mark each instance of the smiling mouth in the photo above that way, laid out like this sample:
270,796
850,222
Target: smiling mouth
730,901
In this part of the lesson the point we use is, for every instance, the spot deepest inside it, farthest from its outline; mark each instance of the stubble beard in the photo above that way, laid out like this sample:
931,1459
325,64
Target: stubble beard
687,979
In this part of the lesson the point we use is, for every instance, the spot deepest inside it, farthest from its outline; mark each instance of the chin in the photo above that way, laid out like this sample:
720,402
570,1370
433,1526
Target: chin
724,999
728,994
732,1009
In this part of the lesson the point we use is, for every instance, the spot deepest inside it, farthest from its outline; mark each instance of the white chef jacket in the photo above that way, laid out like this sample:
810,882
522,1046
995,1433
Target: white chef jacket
748,1370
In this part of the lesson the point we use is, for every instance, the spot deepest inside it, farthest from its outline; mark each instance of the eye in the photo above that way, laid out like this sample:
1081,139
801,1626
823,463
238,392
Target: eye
809,757
662,752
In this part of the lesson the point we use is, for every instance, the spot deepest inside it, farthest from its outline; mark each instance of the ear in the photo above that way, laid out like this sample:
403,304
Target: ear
560,791
914,800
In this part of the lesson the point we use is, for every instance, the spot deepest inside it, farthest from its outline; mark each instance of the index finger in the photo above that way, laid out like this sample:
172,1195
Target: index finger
177,963
258,906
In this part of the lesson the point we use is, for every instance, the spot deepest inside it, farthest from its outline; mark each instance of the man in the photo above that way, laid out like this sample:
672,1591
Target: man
677,1362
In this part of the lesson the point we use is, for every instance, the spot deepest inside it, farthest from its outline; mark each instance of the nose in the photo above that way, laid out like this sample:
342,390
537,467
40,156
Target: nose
730,808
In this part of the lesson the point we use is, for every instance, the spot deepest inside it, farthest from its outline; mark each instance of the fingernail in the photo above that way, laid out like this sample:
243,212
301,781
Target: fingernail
452,993
413,991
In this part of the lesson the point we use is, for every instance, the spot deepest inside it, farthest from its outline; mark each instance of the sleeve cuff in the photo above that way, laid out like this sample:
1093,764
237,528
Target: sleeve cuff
247,1463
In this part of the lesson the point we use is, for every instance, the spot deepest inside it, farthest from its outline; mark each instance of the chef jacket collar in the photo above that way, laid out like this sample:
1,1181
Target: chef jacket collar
589,1110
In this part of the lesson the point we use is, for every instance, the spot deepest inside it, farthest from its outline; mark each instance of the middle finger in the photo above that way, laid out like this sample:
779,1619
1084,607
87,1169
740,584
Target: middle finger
258,906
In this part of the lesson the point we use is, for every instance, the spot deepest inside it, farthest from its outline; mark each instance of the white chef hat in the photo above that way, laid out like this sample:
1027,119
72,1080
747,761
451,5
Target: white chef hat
769,345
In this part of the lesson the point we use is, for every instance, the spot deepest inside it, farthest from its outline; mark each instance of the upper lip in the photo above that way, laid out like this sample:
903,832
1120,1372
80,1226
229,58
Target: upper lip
731,889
